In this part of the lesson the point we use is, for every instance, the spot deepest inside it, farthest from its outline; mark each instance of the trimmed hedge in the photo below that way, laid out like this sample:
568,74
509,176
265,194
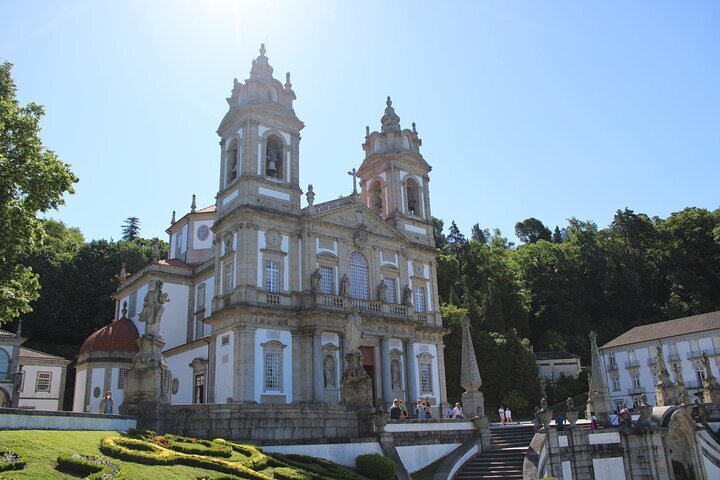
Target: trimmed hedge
318,468
10,461
289,473
92,468
376,466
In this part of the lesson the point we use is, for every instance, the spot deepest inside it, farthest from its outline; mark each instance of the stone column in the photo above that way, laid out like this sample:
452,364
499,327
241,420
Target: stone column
211,342
318,373
410,365
244,368
387,392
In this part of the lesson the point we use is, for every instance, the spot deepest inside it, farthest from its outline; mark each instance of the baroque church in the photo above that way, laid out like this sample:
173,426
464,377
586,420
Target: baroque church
262,284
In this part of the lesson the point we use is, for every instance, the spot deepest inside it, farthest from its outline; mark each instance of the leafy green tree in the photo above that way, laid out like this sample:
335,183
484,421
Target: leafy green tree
558,236
438,234
480,235
455,239
131,229
531,230
32,180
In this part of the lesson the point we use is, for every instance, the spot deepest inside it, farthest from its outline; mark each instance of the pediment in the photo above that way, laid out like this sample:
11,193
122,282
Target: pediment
359,218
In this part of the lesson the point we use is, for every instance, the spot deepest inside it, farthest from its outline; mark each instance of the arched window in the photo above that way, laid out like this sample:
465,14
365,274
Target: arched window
413,197
273,157
376,200
231,162
358,276
4,365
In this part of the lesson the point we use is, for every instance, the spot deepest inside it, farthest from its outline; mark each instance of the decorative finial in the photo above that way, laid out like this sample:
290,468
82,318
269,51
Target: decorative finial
310,195
262,49
388,102
193,205
155,253
172,220
414,129
124,311
367,130
122,278
288,85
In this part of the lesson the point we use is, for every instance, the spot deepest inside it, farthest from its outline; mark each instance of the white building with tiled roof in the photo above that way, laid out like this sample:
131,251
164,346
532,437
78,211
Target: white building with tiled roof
630,358
29,378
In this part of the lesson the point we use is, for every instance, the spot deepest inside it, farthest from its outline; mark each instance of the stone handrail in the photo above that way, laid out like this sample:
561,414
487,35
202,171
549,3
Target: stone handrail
536,457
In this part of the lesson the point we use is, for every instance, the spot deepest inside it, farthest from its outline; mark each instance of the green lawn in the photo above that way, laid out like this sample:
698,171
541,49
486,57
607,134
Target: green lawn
40,448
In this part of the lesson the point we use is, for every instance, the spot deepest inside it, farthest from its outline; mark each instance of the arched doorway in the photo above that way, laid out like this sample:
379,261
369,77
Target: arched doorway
682,448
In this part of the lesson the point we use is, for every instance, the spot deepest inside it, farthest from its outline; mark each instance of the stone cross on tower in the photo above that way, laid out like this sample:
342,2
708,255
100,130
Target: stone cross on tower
354,174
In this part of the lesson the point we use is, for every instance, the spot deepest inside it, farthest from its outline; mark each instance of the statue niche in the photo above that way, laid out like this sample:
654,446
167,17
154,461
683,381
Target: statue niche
273,157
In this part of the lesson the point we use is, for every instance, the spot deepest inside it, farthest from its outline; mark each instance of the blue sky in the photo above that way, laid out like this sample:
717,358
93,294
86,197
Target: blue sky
544,109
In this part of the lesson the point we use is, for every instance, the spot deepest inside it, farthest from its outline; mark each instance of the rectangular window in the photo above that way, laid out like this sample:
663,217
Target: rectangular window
132,305
426,378
615,383
225,340
272,276
42,383
227,277
391,293
199,390
272,371
700,374
635,377
199,327
631,356
694,348
613,362
178,244
419,299
121,379
327,282
200,297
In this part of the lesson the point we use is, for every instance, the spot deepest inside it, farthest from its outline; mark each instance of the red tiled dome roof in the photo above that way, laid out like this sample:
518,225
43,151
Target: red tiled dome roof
120,335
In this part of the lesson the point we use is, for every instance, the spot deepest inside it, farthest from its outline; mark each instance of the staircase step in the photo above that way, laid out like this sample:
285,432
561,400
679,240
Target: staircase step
504,460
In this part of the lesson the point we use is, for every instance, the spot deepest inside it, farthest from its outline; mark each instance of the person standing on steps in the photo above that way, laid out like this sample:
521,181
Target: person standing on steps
106,404
508,416
501,412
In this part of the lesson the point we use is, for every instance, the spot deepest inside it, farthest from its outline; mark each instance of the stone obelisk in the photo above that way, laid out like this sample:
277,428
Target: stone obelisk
599,395
473,400
665,393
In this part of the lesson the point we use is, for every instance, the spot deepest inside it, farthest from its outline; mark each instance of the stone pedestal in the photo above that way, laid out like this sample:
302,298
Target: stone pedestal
545,415
147,384
571,416
355,384
473,404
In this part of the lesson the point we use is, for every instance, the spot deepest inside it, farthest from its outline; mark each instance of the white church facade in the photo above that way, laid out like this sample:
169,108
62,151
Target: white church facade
261,283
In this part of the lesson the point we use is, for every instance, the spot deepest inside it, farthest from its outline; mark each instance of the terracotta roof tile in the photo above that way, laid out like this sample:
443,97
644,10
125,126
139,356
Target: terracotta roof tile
120,335
671,328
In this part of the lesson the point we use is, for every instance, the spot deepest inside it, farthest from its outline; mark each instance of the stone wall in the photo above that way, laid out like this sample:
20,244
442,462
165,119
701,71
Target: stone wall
22,419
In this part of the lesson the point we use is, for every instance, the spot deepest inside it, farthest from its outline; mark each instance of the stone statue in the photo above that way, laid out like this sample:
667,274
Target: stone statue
570,404
155,252
395,375
345,285
329,371
382,292
407,296
310,195
543,404
315,279
706,365
352,330
153,309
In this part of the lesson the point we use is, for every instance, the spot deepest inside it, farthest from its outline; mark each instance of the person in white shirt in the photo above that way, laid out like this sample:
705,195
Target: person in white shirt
501,412
458,411
508,415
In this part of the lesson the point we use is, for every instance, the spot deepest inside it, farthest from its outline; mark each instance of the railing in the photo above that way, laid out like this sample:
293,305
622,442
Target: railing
272,299
612,366
694,354
332,301
632,364
635,390
421,317
396,309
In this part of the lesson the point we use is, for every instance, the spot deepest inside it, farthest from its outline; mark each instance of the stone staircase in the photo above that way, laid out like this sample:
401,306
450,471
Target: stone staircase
504,460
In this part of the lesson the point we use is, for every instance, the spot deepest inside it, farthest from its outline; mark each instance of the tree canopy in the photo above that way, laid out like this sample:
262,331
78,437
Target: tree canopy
131,229
32,180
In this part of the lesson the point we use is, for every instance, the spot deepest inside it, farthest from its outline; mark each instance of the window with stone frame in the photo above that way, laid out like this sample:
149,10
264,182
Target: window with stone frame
420,299
376,197
615,381
274,157
199,388
178,244
200,326
358,276
391,289
4,366
121,378
132,305
272,276
327,280
42,381
612,361
412,195
635,379
227,276
273,366
200,298
700,373
425,361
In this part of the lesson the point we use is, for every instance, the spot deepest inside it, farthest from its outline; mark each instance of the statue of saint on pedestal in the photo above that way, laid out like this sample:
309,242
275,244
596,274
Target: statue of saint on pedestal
315,279
352,330
153,309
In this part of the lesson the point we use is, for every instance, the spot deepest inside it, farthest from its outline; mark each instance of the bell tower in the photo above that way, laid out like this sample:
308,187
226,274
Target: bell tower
259,146
394,178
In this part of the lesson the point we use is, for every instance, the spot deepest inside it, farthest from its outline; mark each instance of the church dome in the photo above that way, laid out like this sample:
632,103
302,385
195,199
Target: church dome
121,335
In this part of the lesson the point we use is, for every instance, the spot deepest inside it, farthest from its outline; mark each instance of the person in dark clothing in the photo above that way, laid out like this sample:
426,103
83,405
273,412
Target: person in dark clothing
395,413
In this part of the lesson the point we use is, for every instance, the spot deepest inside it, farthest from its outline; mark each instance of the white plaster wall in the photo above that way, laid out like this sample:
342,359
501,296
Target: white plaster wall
173,326
40,400
419,348
201,244
263,335
141,292
609,468
567,470
97,380
42,422
117,394
342,453
417,457
79,393
180,367
224,368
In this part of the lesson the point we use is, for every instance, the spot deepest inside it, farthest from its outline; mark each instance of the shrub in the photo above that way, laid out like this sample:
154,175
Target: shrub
288,473
376,466
91,468
10,461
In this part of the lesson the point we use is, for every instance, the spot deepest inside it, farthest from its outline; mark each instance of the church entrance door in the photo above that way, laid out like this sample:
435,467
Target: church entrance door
368,359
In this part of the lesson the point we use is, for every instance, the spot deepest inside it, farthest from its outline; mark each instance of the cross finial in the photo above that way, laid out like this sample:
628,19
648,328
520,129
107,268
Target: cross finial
354,174
193,205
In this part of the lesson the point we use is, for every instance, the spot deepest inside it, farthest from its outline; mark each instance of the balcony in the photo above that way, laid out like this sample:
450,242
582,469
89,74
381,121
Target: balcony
632,364
635,391
612,367
694,385
673,357
697,354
